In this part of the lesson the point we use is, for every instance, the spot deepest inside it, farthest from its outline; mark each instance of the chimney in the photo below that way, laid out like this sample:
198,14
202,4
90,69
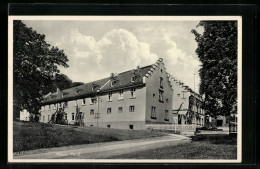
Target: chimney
58,90
112,75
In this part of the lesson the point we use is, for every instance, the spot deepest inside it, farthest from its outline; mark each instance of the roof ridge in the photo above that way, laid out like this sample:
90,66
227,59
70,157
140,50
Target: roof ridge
104,78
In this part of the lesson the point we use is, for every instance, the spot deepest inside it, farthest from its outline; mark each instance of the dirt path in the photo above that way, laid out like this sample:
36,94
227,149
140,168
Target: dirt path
103,150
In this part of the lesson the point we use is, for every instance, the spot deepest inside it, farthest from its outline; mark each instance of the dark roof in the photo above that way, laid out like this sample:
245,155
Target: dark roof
123,80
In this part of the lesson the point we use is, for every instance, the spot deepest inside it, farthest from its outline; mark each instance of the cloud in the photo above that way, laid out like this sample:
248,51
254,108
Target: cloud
96,48
117,51
179,64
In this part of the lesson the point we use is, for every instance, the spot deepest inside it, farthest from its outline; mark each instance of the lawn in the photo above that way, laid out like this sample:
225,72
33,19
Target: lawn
31,136
201,147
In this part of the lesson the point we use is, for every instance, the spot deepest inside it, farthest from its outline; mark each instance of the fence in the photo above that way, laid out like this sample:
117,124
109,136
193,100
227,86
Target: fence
232,128
174,127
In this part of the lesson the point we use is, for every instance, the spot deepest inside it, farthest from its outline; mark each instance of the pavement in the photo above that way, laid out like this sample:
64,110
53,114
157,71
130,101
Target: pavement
107,149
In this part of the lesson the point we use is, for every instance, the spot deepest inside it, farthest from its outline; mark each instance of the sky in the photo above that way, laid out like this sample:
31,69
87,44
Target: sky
96,49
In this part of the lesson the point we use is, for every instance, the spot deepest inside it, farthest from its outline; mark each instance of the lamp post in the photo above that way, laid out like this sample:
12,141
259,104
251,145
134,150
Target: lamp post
97,114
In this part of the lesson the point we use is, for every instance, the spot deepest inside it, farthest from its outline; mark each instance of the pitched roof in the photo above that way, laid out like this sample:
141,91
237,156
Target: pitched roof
123,80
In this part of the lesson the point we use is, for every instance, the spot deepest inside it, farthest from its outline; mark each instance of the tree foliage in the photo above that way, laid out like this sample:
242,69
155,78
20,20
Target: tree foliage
35,63
217,51
62,82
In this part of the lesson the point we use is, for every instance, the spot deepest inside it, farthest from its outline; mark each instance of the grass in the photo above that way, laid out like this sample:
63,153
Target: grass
31,136
201,147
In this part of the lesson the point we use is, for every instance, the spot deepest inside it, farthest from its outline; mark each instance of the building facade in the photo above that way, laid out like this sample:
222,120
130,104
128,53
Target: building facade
24,115
187,105
127,100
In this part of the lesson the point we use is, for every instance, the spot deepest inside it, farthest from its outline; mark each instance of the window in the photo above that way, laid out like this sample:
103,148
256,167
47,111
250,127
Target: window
73,116
161,82
132,93
120,109
43,118
108,126
91,111
154,95
75,102
48,117
121,95
65,104
78,91
161,71
110,96
64,95
113,83
60,105
167,100
132,108
166,118
93,100
160,95
94,87
153,112
109,110
83,101
65,116
131,126
179,118
134,78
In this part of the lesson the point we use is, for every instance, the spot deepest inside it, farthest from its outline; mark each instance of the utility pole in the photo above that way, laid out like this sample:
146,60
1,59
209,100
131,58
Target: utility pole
97,114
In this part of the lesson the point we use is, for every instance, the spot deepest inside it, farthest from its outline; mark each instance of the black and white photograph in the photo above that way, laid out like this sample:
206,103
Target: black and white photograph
125,89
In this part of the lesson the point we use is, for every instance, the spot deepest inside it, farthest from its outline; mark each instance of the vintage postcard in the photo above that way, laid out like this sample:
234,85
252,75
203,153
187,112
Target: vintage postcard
106,89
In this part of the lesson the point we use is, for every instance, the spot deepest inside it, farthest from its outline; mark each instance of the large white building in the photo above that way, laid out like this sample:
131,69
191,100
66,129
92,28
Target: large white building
127,100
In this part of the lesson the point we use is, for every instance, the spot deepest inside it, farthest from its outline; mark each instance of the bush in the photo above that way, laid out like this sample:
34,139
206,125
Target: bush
216,139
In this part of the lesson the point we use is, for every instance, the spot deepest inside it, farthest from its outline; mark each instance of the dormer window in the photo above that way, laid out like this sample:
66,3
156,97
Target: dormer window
94,87
53,97
64,95
77,91
114,82
134,78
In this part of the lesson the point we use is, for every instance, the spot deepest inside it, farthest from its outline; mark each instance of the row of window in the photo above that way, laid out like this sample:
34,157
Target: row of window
153,114
94,100
198,109
120,110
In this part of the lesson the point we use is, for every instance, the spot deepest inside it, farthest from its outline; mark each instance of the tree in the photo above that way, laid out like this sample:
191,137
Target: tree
74,84
35,64
217,51
60,81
